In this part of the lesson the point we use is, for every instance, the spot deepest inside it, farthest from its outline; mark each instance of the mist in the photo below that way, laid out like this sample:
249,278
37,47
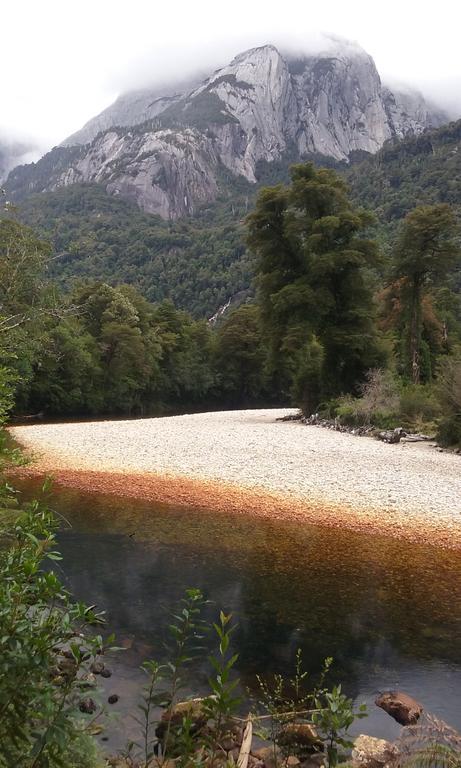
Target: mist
66,63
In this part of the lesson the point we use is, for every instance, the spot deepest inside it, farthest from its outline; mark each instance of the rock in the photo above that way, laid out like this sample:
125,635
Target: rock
301,735
193,709
113,698
400,706
106,672
232,739
87,680
97,667
87,706
255,109
316,760
270,757
373,753
68,668
292,761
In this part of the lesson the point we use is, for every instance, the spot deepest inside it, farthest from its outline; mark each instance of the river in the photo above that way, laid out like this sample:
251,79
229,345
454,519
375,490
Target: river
387,611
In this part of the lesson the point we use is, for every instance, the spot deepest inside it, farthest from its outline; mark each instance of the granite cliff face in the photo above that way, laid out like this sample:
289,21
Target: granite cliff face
164,150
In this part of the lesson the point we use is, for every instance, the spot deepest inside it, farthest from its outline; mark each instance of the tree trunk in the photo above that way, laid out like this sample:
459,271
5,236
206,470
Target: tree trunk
415,330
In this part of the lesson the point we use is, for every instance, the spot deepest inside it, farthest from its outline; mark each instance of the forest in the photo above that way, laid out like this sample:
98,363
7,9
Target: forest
202,262
336,320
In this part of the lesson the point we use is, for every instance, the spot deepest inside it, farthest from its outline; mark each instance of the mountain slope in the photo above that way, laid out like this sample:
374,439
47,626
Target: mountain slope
200,263
420,169
261,108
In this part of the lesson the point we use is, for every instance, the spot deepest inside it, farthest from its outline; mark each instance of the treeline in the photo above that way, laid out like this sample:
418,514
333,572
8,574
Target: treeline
102,349
341,321
336,326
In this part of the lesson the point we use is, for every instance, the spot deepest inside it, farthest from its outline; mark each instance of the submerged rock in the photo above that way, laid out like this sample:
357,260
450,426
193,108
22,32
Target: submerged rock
87,706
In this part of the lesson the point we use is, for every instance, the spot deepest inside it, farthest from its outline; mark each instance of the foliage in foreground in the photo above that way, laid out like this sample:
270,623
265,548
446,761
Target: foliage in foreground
47,644
45,647
208,731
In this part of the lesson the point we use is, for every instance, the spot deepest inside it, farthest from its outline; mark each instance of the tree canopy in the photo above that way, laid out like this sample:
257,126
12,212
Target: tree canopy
316,302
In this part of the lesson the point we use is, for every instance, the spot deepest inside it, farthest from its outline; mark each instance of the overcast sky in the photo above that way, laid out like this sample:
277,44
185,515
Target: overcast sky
64,61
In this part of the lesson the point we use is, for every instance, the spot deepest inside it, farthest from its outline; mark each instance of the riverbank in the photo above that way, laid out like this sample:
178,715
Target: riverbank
248,462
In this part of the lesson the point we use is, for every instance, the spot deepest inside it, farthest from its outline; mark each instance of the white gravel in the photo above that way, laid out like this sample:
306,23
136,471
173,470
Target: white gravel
251,449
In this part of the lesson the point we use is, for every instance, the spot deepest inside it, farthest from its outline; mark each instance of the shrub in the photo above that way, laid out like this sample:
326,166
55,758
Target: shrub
418,406
45,650
378,404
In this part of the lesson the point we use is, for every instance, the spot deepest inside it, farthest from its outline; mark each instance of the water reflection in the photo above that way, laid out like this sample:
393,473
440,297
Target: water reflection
387,611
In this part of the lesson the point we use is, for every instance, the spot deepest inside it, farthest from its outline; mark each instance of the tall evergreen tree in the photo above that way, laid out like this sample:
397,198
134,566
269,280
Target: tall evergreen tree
427,249
316,304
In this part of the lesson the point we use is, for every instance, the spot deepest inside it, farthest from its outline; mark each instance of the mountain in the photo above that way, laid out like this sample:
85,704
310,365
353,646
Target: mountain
168,150
201,262
131,109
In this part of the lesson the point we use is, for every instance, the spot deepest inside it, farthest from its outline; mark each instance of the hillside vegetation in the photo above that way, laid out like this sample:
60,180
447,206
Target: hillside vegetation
200,263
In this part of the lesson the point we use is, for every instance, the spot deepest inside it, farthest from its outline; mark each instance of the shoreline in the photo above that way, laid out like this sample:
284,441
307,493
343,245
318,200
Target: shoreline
224,498
246,462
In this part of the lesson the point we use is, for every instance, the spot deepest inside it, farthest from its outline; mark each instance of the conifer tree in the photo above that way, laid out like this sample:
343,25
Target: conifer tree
316,302
427,249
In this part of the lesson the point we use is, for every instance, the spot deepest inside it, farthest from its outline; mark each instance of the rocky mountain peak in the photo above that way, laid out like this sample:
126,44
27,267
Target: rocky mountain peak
164,148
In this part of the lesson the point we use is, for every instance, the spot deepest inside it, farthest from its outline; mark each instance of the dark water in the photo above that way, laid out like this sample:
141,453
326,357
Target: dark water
388,612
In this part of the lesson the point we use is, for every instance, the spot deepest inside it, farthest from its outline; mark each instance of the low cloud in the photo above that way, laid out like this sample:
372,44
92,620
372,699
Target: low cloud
74,62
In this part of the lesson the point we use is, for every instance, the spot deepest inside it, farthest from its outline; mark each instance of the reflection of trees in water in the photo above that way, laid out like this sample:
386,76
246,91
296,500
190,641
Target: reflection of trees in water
363,601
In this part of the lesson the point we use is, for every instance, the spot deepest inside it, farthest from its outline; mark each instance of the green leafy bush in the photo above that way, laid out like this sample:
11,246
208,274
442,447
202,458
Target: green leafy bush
45,648
333,718
418,407
378,405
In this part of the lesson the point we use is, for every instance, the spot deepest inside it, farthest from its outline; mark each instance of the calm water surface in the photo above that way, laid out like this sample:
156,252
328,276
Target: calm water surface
388,612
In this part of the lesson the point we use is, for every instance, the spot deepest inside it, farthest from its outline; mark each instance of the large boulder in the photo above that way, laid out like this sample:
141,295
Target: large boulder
270,757
370,752
400,706
193,709
300,735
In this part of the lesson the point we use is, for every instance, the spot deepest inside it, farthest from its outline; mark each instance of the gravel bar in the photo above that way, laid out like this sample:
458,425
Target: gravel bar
249,461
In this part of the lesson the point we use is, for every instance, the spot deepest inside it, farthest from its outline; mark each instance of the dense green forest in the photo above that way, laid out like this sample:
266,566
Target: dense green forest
333,307
103,349
196,265
200,263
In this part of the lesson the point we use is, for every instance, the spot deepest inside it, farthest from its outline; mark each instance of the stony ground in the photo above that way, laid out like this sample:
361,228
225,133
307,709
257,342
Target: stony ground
252,450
